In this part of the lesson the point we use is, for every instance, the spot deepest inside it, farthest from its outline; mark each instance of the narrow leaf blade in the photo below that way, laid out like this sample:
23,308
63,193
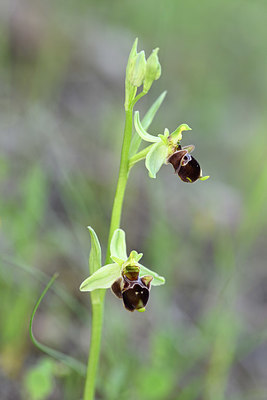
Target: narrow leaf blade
76,365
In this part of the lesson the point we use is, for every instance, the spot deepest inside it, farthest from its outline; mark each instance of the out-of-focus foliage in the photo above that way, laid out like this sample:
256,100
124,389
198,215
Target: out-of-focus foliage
62,70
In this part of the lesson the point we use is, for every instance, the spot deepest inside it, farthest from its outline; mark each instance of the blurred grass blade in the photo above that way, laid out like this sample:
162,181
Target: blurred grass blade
58,289
79,367
146,121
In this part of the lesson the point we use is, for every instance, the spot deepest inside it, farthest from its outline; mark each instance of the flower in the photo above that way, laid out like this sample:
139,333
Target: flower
128,279
133,290
186,166
167,149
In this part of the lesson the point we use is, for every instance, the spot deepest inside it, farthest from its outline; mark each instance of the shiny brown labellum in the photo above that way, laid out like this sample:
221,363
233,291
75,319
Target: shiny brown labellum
134,293
176,158
186,166
191,171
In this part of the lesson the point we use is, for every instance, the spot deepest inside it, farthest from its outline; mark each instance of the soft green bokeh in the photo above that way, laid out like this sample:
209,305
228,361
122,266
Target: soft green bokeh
62,68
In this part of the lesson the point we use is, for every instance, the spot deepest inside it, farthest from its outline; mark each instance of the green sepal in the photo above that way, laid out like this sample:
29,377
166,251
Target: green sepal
137,76
164,139
102,278
157,279
176,136
141,132
118,245
156,158
204,178
153,70
130,90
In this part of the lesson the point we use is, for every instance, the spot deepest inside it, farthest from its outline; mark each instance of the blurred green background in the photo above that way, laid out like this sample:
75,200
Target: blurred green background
62,66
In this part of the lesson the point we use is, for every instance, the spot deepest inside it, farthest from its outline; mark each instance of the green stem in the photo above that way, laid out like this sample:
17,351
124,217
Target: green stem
138,97
122,180
97,307
95,344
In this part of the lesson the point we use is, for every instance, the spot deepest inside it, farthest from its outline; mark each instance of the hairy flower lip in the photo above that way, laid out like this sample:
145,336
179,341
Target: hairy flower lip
185,165
136,297
176,158
134,293
190,172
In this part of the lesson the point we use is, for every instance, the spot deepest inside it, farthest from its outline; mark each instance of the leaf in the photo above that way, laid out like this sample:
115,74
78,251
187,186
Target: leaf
155,158
79,367
148,118
141,132
102,278
157,281
118,245
146,121
95,253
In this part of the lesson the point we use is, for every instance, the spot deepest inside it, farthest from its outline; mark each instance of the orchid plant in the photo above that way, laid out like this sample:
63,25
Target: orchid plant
129,280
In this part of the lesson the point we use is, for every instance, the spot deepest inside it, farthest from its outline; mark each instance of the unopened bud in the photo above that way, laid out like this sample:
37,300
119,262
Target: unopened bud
153,70
137,73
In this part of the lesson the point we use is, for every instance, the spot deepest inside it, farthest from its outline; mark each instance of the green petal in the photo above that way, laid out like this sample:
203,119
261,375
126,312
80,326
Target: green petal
135,256
155,158
157,281
176,136
189,148
95,253
141,132
102,278
117,260
164,139
118,245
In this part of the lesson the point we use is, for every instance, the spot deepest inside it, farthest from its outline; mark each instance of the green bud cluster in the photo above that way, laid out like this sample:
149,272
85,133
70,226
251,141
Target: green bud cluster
140,71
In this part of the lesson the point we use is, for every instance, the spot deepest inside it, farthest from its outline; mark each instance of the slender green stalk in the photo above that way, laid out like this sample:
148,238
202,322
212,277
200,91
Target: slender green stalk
122,180
98,307
97,322
138,97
